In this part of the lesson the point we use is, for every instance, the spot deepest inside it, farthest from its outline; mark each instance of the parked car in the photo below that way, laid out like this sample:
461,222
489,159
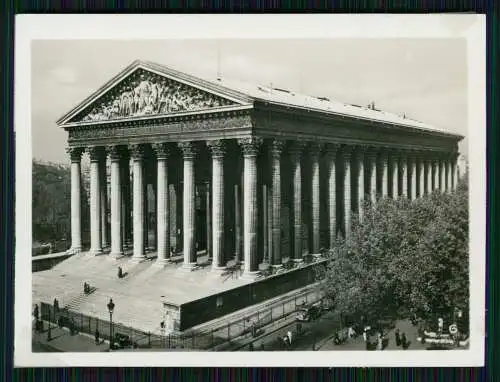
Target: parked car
309,313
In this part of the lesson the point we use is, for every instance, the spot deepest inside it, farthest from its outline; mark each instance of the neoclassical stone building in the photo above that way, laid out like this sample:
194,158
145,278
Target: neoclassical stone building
256,174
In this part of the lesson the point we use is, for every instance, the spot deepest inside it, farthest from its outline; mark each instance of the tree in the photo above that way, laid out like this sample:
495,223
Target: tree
404,257
51,214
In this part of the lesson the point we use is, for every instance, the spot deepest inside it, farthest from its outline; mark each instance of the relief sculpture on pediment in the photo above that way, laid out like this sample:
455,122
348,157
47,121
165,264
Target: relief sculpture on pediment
145,93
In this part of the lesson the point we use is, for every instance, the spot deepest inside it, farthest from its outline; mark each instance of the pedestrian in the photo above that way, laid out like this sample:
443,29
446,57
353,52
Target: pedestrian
56,305
289,334
365,335
120,272
379,341
96,337
398,338
404,342
36,313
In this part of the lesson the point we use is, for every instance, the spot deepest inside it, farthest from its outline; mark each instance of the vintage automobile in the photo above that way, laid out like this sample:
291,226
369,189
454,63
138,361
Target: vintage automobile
309,313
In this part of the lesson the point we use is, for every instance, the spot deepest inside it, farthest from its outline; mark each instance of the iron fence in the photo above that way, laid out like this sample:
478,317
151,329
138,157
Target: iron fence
210,338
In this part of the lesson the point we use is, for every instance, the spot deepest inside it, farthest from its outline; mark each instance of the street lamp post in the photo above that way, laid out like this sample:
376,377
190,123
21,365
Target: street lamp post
111,307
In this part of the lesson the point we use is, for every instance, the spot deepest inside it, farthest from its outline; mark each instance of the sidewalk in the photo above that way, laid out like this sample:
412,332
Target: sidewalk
63,341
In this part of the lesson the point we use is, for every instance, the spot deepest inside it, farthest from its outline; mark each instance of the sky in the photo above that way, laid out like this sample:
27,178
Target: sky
424,78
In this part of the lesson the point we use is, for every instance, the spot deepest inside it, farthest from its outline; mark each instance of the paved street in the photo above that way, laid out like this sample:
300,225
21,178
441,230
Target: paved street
64,342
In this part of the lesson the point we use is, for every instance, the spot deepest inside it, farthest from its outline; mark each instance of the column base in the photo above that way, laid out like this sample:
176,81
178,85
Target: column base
74,250
264,266
137,259
218,270
115,255
277,265
95,252
188,267
161,263
250,275
301,260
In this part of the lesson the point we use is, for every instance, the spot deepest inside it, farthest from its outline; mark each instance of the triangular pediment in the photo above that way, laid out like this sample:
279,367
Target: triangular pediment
141,92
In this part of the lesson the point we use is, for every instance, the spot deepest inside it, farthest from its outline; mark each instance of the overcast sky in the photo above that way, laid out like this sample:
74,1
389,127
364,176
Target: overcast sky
424,78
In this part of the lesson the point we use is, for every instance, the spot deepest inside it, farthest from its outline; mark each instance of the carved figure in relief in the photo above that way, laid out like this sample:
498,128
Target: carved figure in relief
148,94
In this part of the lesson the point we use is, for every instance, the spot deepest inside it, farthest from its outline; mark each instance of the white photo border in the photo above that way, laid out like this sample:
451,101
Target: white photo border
157,27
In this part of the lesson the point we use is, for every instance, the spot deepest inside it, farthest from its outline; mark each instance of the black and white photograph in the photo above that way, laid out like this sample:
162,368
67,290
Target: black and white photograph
303,190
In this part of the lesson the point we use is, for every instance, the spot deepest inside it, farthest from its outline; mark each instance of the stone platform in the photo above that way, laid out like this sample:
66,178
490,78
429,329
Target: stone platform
141,295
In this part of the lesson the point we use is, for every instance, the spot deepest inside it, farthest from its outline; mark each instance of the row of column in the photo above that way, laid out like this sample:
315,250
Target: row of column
388,173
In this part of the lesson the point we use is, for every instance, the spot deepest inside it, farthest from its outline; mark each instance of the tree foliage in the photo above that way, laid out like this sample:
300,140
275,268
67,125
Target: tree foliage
404,257
51,214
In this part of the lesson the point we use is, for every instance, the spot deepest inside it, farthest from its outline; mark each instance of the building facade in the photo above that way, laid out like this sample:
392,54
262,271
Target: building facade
252,174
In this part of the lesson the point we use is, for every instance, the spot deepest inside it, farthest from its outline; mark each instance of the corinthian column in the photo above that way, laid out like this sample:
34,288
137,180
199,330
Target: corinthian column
346,156
250,147
360,160
116,198
95,201
371,157
403,168
435,172
103,174
315,150
137,153
217,149
189,153
421,176
331,155
76,205
442,174
395,174
428,170
295,155
162,204
384,172
276,148
454,175
412,174
449,170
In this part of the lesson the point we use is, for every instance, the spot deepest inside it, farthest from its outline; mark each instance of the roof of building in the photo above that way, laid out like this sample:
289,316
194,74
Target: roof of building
248,93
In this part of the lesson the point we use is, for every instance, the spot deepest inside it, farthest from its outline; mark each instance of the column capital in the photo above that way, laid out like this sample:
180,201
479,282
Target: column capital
95,153
360,151
250,145
331,149
371,152
188,149
115,152
315,148
75,153
136,151
161,150
276,148
217,148
347,151
295,149
453,155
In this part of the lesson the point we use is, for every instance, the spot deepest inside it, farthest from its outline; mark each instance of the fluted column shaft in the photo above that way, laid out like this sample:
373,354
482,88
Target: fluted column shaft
95,201
116,199
162,204
385,173
435,175
454,175
104,199
76,205
421,177
449,172
346,157
276,149
315,195
360,157
371,157
395,175
442,175
295,155
412,173
428,169
217,149
137,153
250,147
403,169
331,154
188,217
125,179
